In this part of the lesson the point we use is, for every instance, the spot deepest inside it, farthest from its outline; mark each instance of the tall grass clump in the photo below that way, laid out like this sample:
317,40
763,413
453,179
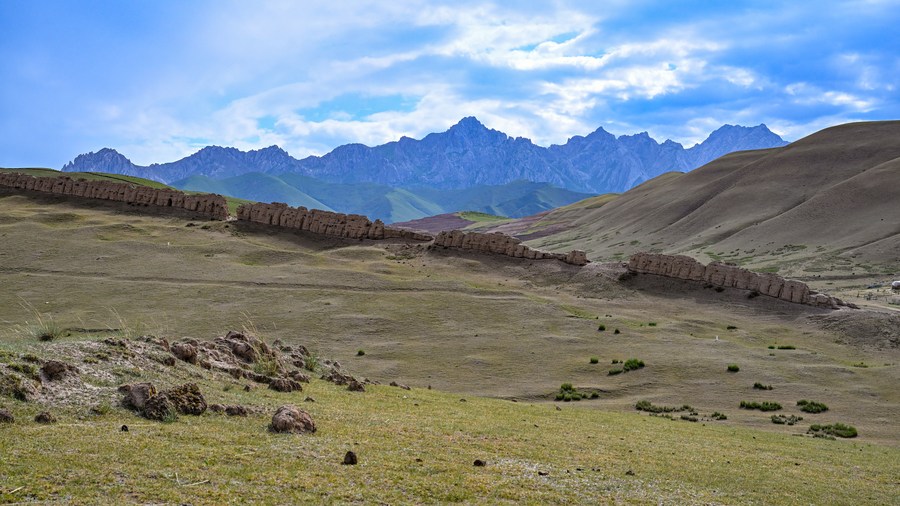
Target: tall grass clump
811,406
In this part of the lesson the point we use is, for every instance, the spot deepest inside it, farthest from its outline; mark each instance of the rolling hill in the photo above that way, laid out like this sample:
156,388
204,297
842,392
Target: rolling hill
828,203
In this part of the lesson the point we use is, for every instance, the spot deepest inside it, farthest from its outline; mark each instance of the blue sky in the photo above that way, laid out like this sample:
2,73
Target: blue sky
158,80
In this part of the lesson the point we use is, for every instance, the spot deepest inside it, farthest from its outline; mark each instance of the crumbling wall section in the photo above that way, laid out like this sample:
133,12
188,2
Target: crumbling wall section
731,276
210,205
502,244
350,226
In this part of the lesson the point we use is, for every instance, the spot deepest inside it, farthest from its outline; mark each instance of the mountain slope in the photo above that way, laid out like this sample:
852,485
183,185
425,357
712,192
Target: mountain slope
468,154
825,202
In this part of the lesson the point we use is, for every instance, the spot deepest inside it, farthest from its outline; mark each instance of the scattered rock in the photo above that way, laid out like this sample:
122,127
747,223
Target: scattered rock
187,399
137,394
285,385
217,408
337,377
350,459
543,473
236,410
45,417
629,472
54,370
186,352
123,428
399,385
356,386
299,376
6,416
160,408
290,419
309,399
479,463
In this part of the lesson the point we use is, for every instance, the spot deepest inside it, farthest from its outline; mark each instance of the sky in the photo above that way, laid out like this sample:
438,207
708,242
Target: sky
158,80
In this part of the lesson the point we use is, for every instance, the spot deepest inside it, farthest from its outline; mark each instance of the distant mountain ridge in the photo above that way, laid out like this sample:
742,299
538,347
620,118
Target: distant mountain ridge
468,154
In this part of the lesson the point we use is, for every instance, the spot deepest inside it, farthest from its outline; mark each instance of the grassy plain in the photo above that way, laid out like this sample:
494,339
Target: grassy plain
489,330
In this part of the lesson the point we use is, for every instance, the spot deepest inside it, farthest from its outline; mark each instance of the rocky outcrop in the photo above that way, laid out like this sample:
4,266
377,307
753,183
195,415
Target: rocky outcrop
213,206
731,276
350,226
292,420
502,244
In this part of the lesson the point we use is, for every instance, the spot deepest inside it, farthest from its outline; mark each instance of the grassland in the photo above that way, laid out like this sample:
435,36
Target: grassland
474,327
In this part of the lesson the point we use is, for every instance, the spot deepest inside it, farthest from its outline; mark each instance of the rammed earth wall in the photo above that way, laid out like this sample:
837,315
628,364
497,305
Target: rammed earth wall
210,205
502,244
731,276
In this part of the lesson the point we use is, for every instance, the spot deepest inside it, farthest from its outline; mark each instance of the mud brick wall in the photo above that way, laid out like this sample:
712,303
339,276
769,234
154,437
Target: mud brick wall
502,244
731,276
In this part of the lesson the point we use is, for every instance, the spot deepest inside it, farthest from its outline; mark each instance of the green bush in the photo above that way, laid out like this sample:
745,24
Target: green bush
613,372
616,331
733,368
595,360
601,328
787,347
360,353
652,324
811,406
786,420
718,416
652,408
615,361
566,387
837,429
632,364
731,327
760,386
595,395
762,406
689,418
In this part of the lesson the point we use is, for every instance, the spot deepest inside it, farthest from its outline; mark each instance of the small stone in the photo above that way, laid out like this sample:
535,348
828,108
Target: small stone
356,386
629,472
45,417
543,473
558,408
479,463
123,428
350,459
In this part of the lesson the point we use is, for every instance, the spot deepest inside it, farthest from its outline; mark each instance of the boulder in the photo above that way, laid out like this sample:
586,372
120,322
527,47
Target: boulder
45,417
160,408
186,352
137,395
290,419
236,410
187,399
54,370
356,386
285,385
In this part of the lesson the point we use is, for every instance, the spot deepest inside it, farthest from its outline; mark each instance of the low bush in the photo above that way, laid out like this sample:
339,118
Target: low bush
616,361
762,406
837,429
595,395
651,324
718,416
811,406
689,418
652,408
568,393
360,353
787,347
632,364
760,386
601,328
733,368
616,331
595,360
613,372
786,419
731,327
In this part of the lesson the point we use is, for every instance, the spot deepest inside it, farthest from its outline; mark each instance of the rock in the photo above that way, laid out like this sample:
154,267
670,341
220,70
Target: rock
137,394
290,419
217,408
309,399
399,385
356,386
299,376
502,244
54,370
45,417
285,385
187,399
479,463
123,428
186,352
160,408
350,459
337,377
6,416
236,410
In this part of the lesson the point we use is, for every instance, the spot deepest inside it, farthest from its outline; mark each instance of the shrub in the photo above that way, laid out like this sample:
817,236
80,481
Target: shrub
595,395
718,416
762,406
652,408
566,387
632,364
311,363
689,418
787,347
568,393
786,420
360,353
601,328
616,331
560,396
719,289
651,324
595,360
731,327
771,346
613,372
838,429
733,368
811,406
615,361
760,386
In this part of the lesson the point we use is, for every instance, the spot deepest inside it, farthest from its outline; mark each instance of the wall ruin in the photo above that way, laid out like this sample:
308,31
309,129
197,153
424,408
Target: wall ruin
731,276
502,244
350,226
210,205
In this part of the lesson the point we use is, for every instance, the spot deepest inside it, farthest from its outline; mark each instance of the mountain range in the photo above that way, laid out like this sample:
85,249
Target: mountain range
391,181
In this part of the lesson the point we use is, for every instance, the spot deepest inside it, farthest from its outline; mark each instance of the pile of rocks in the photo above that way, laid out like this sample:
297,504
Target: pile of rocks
731,276
210,205
501,244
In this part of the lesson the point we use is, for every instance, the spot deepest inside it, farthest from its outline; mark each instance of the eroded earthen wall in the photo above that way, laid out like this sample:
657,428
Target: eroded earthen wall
731,276
350,226
502,244
210,205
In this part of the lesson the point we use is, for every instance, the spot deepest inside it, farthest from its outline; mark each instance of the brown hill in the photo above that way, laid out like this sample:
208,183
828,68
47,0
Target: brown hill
828,203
